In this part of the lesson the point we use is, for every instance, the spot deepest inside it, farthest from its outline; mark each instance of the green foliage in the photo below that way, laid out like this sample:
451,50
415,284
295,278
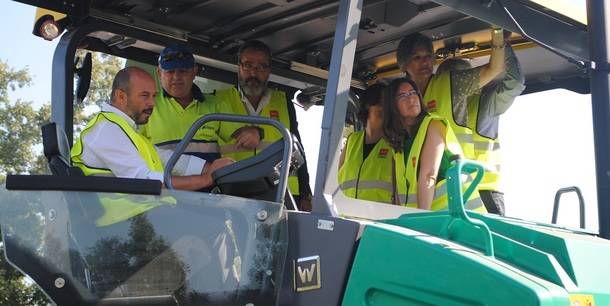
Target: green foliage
105,67
19,125
14,289
11,78
142,262
19,138
21,150
19,134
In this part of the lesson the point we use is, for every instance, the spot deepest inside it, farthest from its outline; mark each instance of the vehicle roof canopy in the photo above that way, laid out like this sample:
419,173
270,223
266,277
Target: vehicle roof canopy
300,34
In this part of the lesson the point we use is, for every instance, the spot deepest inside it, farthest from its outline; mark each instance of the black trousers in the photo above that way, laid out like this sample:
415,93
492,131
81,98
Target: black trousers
494,201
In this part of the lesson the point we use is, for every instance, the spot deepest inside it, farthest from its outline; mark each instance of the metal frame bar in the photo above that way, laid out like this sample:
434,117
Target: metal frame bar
535,22
335,101
300,14
581,204
316,41
599,46
62,91
62,85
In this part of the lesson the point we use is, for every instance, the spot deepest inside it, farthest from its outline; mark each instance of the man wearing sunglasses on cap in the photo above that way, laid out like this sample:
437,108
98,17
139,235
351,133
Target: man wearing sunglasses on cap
179,104
253,97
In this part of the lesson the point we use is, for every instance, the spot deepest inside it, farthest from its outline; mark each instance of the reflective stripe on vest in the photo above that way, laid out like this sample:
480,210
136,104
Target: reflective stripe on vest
191,147
440,199
363,184
169,123
229,101
145,148
438,101
370,178
486,150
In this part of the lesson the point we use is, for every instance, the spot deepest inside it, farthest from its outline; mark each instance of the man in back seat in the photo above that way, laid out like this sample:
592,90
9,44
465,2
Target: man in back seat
110,144
253,97
178,104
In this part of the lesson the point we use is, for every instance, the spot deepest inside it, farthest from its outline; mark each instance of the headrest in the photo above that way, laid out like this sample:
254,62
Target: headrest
55,141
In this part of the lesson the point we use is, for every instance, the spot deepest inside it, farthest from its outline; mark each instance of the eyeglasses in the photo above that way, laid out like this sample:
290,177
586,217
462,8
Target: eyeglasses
254,67
405,95
172,56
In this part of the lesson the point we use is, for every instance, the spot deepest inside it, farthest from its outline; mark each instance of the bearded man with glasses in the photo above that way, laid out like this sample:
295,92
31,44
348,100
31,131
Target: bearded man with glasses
253,97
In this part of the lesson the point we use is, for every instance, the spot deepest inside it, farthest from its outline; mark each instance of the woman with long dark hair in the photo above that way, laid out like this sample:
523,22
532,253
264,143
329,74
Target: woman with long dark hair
366,169
423,143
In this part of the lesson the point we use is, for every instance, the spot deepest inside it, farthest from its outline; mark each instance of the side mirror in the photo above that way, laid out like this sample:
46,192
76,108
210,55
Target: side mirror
84,77
310,96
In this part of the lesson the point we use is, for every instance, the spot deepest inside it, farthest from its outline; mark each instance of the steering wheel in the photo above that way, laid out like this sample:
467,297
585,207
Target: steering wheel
267,163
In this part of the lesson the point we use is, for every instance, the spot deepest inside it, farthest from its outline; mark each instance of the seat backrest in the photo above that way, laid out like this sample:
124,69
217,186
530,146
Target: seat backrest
57,151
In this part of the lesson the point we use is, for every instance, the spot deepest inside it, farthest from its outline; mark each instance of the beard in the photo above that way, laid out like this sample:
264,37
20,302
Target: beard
142,117
252,86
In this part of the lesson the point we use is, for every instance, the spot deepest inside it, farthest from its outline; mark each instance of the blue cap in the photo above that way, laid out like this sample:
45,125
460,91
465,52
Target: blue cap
176,57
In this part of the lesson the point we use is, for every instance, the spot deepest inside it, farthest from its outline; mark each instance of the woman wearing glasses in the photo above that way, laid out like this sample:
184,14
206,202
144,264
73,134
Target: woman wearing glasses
424,144
366,169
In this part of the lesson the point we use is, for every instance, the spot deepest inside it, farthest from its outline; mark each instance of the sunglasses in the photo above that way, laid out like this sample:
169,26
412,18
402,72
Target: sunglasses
172,56
405,95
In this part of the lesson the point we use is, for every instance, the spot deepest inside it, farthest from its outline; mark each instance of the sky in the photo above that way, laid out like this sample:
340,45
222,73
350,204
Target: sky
547,139
32,52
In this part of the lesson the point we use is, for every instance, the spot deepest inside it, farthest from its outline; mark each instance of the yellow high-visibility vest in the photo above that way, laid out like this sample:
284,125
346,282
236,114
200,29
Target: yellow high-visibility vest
116,207
486,150
230,102
410,169
169,123
144,146
438,101
369,178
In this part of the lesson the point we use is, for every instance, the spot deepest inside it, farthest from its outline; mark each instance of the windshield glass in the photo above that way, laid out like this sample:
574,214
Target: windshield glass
180,248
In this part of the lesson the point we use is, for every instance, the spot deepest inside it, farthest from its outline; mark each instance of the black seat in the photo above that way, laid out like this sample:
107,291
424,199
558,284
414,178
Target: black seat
57,150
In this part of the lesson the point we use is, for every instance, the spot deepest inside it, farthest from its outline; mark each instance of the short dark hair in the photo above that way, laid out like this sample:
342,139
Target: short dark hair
393,130
122,80
372,96
256,45
407,45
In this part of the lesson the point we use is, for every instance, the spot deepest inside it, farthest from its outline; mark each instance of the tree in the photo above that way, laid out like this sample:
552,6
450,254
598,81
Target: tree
105,67
19,134
21,151
19,125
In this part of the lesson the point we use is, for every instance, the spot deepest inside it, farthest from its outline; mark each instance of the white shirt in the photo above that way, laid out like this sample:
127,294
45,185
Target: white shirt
106,146
261,104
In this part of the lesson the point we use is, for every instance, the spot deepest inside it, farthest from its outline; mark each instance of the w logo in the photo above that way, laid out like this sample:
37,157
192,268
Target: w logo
307,273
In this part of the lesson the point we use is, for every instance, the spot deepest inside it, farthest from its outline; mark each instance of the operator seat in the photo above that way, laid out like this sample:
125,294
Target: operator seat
57,151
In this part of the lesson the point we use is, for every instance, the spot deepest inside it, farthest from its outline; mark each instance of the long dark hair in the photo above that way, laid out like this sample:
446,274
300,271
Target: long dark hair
393,130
